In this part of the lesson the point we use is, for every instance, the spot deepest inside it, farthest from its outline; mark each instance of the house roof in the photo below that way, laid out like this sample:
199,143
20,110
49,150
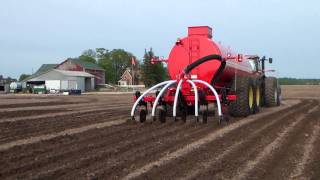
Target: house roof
85,64
43,69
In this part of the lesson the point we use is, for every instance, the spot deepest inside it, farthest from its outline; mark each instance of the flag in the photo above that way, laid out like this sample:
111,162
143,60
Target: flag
133,61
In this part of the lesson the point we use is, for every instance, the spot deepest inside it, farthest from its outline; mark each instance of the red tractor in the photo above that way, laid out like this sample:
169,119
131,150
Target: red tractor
204,72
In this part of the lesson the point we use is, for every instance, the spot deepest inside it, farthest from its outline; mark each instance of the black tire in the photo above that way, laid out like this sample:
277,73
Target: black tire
279,94
169,110
162,115
241,86
143,115
257,95
204,117
272,92
183,115
204,112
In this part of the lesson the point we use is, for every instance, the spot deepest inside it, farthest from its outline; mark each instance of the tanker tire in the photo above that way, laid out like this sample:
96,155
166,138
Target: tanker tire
184,115
143,115
161,115
204,112
169,110
272,92
240,107
204,117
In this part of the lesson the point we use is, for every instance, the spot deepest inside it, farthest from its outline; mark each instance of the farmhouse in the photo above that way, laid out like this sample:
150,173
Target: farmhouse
126,78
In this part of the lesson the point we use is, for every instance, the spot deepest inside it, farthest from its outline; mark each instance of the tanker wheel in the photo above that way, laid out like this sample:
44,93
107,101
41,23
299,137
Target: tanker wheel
169,110
183,115
204,113
244,90
205,116
272,92
143,115
161,114
257,96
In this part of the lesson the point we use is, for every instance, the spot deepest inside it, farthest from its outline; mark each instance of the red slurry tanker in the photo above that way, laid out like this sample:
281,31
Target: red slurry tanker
204,72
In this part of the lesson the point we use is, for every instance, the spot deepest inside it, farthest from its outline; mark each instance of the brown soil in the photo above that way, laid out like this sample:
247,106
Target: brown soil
97,142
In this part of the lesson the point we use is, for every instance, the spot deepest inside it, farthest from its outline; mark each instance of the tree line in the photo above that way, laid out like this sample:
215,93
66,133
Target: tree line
294,81
116,61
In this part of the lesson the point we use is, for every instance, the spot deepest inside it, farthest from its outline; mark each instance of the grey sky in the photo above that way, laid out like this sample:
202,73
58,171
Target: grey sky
35,32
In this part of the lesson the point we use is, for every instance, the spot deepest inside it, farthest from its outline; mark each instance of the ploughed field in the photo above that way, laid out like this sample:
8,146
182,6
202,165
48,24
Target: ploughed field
90,137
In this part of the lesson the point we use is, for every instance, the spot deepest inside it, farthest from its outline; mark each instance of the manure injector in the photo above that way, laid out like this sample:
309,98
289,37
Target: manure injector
204,72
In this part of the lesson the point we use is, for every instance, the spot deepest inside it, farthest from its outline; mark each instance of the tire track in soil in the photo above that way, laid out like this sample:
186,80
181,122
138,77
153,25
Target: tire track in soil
25,113
86,109
312,168
289,161
184,151
12,131
203,159
106,150
23,106
72,144
78,146
69,132
271,150
70,106
120,164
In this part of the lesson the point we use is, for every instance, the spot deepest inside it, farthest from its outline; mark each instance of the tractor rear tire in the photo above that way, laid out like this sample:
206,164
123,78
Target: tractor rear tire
272,92
257,95
244,90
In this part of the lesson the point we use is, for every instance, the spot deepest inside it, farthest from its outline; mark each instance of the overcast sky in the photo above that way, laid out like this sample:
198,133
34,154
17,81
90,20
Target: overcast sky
36,32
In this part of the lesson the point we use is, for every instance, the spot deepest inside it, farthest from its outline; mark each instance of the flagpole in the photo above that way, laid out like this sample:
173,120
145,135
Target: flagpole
132,71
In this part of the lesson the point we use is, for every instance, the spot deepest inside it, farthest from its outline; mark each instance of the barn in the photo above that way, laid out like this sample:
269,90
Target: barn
72,74
60,80
75,64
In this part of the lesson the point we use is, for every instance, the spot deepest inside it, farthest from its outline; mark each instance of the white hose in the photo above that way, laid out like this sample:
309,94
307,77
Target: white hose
196,99
214,92
145,93
159,96
176,99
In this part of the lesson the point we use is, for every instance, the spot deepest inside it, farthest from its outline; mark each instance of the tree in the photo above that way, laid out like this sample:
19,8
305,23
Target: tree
23,77
114,62
152,73
89,56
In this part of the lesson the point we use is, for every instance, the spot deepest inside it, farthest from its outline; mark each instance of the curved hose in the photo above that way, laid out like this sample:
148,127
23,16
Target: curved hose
202,60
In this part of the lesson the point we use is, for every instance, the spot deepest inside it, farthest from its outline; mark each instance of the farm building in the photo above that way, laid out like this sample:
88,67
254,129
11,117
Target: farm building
72,64
5,82
72,74
60,80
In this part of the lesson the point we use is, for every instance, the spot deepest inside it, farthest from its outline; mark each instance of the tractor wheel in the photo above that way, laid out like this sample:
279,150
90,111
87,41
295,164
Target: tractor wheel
257,95
244,90
272,92
143,115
